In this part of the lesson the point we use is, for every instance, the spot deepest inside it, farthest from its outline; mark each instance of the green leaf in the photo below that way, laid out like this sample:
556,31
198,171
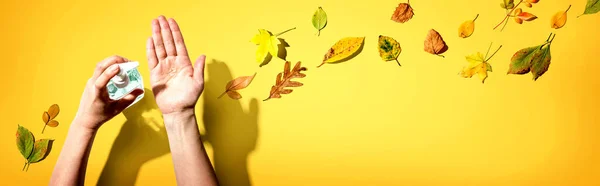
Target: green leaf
24,141
521,61
319,20
592,7
541,62
389,48
507,4
40,150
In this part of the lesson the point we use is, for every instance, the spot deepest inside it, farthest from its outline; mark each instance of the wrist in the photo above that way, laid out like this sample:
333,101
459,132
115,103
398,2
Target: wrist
178,118
83,124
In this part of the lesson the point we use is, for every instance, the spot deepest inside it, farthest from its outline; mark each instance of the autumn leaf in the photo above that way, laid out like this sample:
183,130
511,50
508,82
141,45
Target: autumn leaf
526,16
507,4
237,84
467,28
344,49
319,20
33,152
403,13
532,59
284,80
434,43
389,49
267,44
559,19
24,141
49,116
592,7
478,64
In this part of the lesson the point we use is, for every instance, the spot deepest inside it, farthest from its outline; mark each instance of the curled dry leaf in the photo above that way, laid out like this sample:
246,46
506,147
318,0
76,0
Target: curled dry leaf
403,13
319,20
237,84
284,80
467,28
389,49
435,44
559,19
592,7
532,59
343,49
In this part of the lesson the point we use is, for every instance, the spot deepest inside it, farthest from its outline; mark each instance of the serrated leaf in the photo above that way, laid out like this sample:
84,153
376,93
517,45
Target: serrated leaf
477,65
592,7
53,123
25,141
45,117
343,49
435,44
237,84
467,28
40,150
403,13
559,19
319,20
389,49
284,80
53,111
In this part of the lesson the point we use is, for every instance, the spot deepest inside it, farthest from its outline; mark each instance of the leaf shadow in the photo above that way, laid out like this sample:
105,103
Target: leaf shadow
281,52
49,148
140,140
231,130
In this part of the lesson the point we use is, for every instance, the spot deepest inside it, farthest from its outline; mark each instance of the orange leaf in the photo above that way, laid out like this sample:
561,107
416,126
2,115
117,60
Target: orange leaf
284,80
403,13
237,84
53,123
434,43
53,111
526,16
45,117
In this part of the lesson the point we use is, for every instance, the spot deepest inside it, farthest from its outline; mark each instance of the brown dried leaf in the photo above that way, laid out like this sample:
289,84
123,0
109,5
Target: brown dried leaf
284,80
237,84
45,117
403,13
53,111
53,123
434,43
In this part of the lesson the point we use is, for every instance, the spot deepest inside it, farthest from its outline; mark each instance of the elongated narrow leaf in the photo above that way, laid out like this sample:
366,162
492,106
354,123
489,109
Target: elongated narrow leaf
24,141
237,84
343,49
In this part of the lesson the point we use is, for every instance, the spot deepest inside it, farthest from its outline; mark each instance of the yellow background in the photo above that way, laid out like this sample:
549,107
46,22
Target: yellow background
362,122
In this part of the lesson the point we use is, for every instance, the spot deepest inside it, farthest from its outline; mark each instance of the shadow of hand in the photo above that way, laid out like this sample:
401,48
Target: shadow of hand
141,139
230,130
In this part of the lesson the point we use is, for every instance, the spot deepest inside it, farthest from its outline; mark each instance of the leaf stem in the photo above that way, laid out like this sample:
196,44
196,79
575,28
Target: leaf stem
508,15
398,62
476,18
285,31
488,50
44,127
24,166
568,8
222,95
494,53
321,64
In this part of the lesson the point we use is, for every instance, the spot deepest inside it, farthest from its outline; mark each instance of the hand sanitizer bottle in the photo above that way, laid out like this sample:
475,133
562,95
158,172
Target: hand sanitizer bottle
127,80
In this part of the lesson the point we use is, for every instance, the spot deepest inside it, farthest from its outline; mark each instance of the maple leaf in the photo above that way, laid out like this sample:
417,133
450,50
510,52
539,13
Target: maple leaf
478,64
267,44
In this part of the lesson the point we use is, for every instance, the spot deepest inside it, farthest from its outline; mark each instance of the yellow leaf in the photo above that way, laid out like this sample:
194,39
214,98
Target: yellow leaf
45,117
343,49
478,64
267,44
559,19
389,48
467,28
53,111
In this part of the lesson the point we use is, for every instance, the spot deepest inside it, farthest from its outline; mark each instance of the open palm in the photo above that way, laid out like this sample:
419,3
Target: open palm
176,84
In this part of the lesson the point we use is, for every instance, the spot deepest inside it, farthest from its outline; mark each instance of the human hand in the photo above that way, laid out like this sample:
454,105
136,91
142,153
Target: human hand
176,84
95,107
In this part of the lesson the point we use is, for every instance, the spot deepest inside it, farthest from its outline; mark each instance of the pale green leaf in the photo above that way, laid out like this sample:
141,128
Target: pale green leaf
319,19
24,141
592,7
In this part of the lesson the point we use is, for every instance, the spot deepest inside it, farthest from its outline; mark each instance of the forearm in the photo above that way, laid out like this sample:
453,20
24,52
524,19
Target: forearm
72,162
192,166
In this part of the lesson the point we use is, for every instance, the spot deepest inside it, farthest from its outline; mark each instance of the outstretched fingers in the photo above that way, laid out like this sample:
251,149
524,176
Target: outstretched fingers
151,54
167,36
177,38
159,46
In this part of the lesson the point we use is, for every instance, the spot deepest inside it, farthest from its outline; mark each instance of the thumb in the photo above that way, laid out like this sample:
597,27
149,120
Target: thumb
199,69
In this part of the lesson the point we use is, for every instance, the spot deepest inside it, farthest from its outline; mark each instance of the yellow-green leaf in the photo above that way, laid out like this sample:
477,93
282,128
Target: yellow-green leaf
319,20
267,44
389,49
24,141
467,28
592,7
40,150
477,65
533,59
344,49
